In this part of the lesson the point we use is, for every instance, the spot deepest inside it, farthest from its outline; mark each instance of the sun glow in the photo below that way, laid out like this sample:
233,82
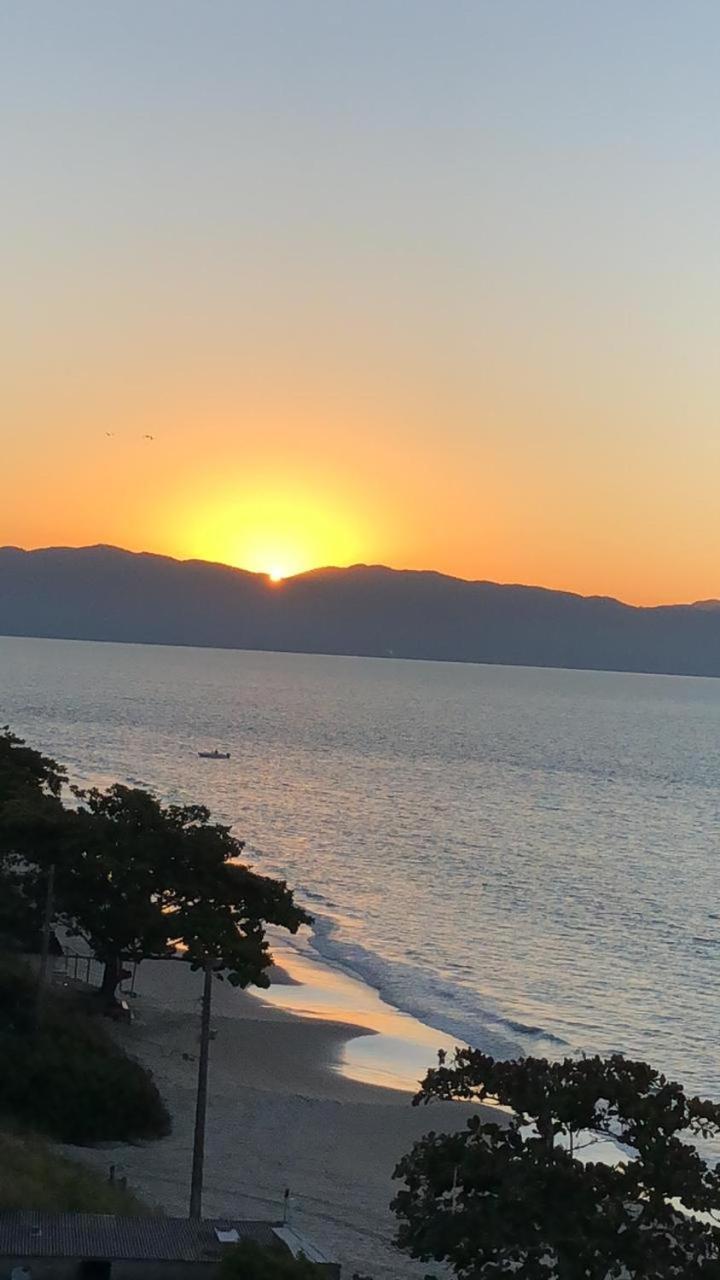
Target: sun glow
277,535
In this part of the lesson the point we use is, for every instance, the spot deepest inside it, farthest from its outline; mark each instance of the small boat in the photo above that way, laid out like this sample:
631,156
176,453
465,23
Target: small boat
214,755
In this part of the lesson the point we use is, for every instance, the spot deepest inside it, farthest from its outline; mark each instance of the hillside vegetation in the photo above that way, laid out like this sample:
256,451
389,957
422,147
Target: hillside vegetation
70,1080
33,1175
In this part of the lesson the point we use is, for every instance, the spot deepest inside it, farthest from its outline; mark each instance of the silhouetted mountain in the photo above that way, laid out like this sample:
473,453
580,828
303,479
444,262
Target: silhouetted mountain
102,593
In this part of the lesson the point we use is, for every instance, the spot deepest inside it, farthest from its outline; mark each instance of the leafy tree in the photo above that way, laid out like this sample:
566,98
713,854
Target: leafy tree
138,879
134,878
32,827
24,769
510,1196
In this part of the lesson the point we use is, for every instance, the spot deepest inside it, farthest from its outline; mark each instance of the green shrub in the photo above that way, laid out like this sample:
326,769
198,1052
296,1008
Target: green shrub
249,1261
70,1080
33,1176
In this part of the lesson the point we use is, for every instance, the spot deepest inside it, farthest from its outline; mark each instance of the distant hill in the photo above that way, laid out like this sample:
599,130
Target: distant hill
710,606
102,593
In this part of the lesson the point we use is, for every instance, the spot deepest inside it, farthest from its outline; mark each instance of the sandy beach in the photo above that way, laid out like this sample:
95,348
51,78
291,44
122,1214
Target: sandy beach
281,1115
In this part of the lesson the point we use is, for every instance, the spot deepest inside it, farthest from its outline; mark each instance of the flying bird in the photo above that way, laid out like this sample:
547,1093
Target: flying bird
147,437
109,433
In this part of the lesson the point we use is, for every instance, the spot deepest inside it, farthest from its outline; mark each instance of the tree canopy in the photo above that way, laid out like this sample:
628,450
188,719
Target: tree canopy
134,878
520,1195
23,769
141,879
32,828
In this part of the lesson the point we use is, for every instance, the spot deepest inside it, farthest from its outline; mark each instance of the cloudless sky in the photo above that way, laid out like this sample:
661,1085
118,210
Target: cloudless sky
432,284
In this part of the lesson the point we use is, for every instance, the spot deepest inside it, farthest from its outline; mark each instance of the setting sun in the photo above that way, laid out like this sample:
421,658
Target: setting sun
278,534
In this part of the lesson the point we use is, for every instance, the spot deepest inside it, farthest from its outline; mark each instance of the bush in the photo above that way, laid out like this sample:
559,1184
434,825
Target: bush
32,1176
70,1080
17,992
249,1261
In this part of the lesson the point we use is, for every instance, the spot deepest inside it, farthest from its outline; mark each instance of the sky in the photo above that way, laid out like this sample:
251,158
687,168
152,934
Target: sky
431,284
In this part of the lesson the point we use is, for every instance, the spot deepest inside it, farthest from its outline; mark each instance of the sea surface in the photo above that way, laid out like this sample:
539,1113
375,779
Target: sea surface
524,859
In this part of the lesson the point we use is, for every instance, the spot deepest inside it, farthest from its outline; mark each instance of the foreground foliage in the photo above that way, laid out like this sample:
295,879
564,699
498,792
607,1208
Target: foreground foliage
249,1261
500,1199
70,1080
33,1176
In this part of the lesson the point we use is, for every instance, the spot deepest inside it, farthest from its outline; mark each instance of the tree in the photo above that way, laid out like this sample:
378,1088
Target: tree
24,769
511,1196
32,829
139,879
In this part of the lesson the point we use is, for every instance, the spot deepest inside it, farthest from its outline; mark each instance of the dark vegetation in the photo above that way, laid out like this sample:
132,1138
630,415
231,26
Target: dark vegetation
69,1079
516,1198
33,1175
249,1261
103,593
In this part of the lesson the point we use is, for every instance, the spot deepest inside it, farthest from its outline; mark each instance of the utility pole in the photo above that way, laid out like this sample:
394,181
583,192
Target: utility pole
45,946
196,1180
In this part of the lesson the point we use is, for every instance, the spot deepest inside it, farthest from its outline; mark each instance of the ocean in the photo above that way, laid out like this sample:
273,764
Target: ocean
526,860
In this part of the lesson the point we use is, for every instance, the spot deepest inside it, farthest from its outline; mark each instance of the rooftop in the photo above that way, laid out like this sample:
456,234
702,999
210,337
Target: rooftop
29,1233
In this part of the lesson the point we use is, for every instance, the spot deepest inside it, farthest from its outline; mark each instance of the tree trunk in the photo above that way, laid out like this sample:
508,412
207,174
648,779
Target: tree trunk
111,977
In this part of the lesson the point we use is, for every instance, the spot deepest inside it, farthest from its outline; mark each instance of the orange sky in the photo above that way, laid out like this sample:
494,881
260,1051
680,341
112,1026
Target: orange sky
428,296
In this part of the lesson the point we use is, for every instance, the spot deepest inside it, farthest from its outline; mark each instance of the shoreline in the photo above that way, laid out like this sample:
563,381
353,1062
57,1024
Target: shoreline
283,1114
390,1048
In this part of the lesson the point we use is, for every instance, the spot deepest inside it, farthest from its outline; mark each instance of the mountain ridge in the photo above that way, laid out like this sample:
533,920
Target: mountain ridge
102,592
322,570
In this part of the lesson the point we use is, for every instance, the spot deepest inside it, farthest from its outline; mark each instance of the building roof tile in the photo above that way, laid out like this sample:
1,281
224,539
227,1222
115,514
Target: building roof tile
30,1233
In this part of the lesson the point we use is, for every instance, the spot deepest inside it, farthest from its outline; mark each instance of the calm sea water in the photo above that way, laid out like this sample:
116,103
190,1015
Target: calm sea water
526,859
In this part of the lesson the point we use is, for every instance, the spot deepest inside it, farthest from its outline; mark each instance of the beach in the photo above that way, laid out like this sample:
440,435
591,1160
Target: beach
282,1115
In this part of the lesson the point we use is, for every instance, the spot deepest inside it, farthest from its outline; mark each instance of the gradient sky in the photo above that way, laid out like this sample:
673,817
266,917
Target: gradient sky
432,284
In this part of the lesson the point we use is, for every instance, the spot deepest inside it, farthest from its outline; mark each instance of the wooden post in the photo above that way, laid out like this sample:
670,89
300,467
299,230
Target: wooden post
45,946
196,1180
